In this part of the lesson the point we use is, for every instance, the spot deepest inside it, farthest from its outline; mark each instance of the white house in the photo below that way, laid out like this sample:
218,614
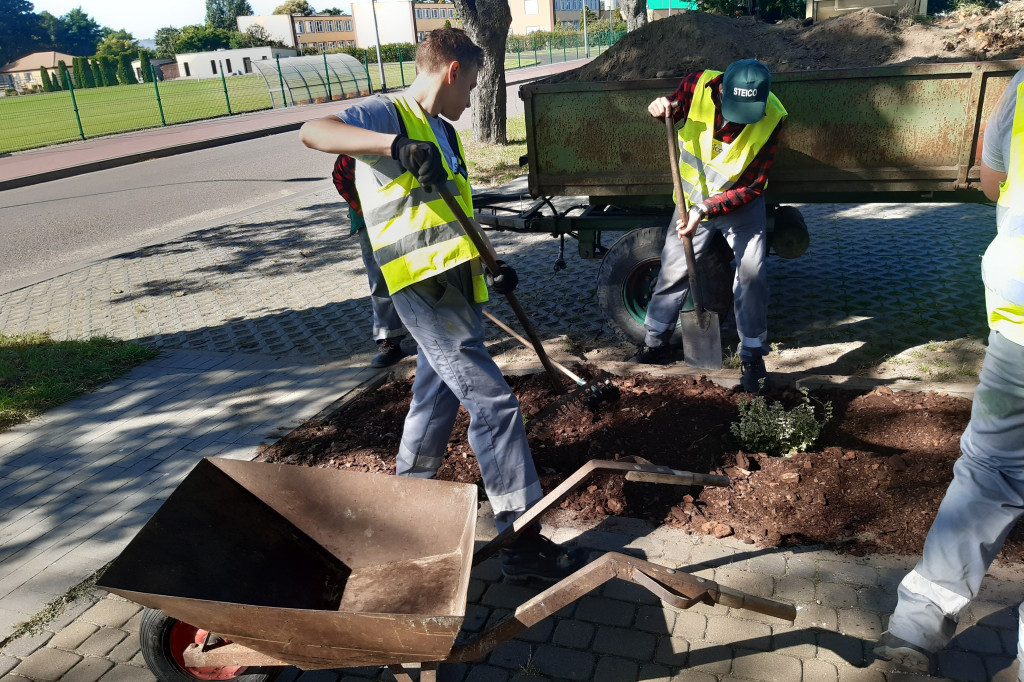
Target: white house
230,62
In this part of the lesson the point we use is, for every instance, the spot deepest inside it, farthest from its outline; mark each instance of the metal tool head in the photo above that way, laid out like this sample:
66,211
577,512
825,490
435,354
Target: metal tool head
702,339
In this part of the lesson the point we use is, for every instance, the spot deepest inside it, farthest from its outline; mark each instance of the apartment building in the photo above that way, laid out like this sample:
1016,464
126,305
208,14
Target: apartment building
431,15
322,32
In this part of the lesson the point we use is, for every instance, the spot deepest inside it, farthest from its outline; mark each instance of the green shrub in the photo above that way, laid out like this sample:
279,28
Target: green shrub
773,430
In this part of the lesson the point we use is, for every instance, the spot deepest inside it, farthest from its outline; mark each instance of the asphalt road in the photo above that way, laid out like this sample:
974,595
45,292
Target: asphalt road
55,227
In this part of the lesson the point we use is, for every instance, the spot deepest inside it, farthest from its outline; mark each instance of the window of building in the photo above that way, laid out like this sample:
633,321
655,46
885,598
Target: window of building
187,72
530,7
227,63
247,64
532,29
213,66
329,25
298,27
435,13
319,27
348,25
309,26
419,14
419,37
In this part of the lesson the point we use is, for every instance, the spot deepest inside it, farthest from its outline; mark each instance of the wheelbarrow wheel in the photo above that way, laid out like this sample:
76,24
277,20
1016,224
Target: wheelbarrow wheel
163,641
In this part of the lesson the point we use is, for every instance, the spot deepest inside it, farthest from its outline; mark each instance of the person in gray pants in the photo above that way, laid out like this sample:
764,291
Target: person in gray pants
986,497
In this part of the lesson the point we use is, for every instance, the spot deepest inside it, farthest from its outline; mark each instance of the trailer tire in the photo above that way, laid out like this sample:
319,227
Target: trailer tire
629,272
163,641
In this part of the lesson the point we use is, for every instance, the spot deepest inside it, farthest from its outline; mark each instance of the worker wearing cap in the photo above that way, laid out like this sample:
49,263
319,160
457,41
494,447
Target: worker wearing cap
404,152
730,127
986,497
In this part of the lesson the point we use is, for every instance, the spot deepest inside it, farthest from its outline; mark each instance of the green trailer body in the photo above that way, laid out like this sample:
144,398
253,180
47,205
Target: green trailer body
883,134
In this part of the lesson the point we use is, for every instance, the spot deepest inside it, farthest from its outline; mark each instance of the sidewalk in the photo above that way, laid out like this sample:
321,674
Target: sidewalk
54,163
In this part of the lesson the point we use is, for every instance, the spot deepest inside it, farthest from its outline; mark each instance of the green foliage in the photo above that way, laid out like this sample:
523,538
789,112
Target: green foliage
44,79
116,43
62,73
145,67
333,11
97,74
223,14
775,431
198,38
108,67
125,73
390,53
87,75
774,10
295,7
76,70
21,30
166,40
256,36
728,8
75,33
542,41
37,373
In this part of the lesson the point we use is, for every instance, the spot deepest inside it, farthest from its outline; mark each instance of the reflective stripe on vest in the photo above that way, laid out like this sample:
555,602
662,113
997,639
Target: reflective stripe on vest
706,171
1002,268
413,233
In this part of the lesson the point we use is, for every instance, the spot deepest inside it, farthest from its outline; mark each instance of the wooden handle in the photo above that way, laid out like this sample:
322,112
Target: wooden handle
739,600
691,260
679,478
490,259
512,332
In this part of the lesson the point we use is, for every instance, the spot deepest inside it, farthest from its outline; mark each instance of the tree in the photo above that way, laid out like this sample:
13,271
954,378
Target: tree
62,73
196,38
145,67
21,30
87,79
224,13
116,43
125,74
44,79
76,33
333,11
257,36
108,67
166,40
487,22
295,7
635,12
97,74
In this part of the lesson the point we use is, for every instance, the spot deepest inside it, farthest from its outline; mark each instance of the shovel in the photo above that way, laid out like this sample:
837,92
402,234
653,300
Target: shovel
702,337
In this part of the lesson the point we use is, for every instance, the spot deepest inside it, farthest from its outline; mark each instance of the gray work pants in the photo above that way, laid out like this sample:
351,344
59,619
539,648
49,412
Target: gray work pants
982,504
454,367
386,323
744,230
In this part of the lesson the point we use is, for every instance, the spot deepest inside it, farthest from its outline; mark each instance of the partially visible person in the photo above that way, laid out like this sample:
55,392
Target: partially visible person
388,330
986,497
404,152
729,133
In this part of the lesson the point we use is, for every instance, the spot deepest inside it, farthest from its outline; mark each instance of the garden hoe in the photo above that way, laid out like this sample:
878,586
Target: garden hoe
702,337
586,394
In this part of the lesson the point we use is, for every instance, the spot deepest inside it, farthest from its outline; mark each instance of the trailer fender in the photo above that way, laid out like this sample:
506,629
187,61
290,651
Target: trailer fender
629,271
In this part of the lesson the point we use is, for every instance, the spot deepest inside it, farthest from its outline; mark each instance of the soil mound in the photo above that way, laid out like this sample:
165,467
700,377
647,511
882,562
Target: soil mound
695,40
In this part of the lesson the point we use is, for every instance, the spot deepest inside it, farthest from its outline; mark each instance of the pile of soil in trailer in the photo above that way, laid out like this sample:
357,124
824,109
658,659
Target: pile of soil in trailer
692,41
873,484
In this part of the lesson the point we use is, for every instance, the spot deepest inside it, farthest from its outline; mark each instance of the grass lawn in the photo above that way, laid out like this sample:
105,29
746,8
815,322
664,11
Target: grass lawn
492,165
37,373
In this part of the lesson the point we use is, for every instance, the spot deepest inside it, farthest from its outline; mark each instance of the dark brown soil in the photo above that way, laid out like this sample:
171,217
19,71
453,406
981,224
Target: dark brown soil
691,41
873,484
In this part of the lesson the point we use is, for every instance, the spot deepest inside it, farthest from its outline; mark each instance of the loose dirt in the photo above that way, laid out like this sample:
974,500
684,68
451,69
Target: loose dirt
872,484
695,40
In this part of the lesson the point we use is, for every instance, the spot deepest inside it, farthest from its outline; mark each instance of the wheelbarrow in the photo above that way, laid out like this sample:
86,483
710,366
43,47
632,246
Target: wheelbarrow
249,567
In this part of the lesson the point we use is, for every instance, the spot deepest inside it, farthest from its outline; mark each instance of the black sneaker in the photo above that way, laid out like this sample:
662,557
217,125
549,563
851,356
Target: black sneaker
646,355
753,375
389,351
534,556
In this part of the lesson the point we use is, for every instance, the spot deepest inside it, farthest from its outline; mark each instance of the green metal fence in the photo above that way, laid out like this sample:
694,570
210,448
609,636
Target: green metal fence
41,119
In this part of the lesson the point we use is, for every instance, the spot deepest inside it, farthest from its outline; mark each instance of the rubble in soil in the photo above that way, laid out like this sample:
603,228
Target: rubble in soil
873,484
692,41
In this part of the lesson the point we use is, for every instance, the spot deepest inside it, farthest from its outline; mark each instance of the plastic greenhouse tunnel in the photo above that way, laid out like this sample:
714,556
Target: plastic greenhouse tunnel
315,78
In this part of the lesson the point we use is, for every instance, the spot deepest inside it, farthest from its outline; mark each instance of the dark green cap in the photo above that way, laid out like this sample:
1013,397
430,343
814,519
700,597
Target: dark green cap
745,88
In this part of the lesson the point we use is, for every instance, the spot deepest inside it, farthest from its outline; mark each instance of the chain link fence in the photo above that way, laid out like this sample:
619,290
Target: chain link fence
41,119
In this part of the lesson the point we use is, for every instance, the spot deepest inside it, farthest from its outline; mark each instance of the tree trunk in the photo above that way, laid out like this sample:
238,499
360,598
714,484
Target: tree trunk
635,13
487,22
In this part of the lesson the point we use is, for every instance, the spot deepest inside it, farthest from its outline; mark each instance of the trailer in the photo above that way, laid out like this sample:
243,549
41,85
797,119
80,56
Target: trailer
880,134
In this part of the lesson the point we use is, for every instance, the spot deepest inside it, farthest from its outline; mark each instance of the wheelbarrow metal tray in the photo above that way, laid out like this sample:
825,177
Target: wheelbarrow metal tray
317,568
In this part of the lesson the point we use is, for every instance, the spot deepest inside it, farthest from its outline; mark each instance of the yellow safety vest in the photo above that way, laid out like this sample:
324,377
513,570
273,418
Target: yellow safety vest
413,233
708,166
1002,268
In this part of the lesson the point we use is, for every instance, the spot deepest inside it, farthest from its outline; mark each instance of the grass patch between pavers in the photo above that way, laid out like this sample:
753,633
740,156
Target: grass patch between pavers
53,608
492,165
38,373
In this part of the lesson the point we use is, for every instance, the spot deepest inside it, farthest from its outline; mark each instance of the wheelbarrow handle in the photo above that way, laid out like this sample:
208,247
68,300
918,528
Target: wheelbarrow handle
490,259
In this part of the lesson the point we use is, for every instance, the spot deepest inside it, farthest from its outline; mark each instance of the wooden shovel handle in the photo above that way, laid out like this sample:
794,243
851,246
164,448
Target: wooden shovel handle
691,259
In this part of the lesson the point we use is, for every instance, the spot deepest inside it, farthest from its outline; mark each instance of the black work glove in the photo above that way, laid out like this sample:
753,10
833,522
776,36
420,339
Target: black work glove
422,159
505,281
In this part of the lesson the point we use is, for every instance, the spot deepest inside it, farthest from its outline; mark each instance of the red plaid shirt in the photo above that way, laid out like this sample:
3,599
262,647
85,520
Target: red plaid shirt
755,176
344,176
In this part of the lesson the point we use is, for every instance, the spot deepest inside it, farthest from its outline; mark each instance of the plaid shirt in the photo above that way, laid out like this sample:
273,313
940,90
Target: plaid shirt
755,176
344,177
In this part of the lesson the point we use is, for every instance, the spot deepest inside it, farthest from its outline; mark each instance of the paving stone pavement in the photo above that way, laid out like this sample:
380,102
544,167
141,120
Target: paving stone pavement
264,321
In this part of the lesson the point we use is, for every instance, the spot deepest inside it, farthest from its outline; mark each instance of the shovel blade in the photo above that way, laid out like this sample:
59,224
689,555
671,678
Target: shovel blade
702,343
